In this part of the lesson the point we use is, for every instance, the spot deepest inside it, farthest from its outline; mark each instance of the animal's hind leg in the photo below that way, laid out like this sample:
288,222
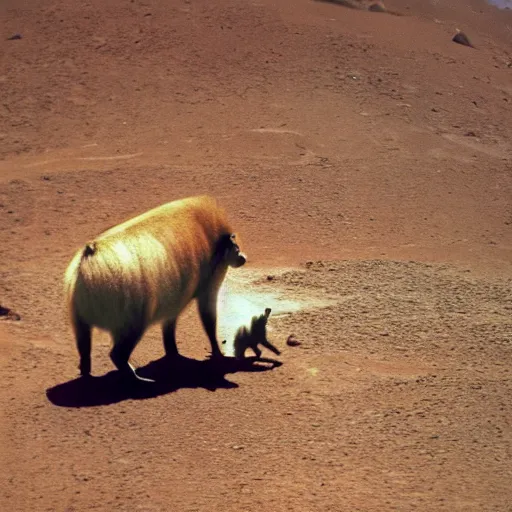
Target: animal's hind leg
83,344
169,335
124,344
239,350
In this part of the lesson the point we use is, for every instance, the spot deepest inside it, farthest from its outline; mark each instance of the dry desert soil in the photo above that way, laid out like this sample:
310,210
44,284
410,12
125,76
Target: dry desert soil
366,161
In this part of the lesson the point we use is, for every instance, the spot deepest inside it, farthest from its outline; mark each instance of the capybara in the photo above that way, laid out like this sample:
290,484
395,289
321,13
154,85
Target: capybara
146,271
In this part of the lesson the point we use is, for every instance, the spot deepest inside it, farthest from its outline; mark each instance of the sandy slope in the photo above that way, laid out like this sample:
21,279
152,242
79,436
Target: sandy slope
330,134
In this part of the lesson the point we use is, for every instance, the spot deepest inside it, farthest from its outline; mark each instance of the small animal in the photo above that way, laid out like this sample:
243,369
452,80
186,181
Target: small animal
145,271
253,335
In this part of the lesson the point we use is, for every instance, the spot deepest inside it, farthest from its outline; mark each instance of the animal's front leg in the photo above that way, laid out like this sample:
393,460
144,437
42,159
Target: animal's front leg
256,350
208,312
271,347
169,336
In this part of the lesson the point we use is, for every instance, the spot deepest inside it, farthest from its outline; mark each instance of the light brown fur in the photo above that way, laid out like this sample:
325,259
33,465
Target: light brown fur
146,271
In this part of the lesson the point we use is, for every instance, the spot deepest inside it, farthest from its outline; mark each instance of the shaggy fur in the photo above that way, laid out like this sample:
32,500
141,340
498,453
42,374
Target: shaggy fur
146,271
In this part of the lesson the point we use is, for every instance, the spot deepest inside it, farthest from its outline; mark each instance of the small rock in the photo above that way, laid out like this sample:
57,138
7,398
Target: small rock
237,447
14,37
270,278
377,7
292,341
9,314
462,38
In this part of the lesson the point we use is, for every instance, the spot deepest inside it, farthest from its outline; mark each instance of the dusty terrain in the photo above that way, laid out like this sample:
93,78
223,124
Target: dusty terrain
365,160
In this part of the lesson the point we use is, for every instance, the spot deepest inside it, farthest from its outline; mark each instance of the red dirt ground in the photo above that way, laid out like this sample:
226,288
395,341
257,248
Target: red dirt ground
368,144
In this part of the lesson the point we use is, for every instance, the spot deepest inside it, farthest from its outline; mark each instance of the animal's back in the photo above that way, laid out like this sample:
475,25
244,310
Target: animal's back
147,267
242,341
203,209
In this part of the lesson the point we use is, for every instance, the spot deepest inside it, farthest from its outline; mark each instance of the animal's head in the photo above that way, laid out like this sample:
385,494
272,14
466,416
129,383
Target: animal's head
230,253
259,325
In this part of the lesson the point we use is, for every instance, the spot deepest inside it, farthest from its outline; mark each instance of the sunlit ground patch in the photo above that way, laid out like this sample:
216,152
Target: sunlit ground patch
243,295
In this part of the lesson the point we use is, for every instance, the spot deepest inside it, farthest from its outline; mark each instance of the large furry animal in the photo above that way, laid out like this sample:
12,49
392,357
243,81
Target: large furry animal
250,336
146,271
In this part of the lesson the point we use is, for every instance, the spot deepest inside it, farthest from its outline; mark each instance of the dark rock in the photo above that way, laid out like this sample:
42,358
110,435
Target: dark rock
462,38
8,314
377,7
292,341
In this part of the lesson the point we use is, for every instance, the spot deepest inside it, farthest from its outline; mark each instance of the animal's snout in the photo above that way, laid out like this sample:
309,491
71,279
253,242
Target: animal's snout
241,259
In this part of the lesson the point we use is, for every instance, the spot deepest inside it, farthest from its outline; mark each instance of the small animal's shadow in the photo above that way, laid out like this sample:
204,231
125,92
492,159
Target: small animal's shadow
182,372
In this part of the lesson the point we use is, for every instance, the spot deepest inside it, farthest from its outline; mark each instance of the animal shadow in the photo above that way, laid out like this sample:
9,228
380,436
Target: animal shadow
169,376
